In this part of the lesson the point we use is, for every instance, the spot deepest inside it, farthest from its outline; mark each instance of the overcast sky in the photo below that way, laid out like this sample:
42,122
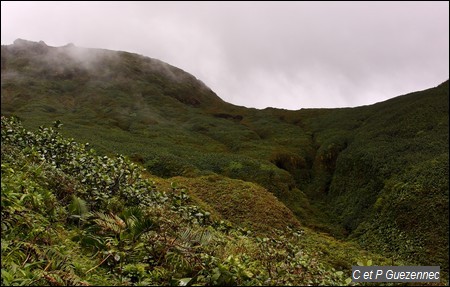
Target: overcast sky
258,54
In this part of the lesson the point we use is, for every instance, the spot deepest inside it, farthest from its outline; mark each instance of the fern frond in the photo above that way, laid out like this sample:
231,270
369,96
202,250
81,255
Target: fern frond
110,222
176,260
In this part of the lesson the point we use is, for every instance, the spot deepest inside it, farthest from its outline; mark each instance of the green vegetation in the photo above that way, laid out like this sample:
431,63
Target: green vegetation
72,217
242,203
375,176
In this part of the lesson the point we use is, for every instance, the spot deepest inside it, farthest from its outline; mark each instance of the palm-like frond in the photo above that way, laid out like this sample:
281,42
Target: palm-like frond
142,226
78,207
193,237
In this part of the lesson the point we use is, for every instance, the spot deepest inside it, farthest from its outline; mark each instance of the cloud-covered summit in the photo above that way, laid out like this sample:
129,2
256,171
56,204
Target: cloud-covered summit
282,54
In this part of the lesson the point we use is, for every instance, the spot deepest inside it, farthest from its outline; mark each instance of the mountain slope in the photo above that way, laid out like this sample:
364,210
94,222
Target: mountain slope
375,174
389,179
73,217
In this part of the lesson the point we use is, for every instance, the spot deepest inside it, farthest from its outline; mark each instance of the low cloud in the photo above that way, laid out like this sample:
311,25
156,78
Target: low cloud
281,54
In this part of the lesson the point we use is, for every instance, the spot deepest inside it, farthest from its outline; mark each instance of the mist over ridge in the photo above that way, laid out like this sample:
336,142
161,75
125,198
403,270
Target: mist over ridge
375,174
